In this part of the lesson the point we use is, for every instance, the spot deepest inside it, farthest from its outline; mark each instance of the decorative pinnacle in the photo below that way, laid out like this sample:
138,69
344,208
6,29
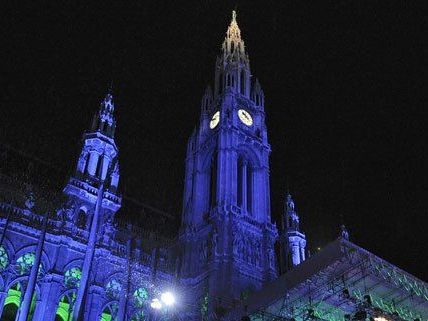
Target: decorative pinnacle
234,16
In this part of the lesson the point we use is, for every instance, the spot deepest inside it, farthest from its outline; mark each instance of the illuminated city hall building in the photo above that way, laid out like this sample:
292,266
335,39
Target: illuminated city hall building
72,258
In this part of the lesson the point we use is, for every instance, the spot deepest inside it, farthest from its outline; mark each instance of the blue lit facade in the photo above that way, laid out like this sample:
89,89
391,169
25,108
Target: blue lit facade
75,260
90,268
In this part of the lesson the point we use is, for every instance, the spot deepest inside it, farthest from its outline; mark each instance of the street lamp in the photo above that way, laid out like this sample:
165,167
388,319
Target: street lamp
168,298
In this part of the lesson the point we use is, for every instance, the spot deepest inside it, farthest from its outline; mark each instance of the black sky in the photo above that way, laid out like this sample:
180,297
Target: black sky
345,102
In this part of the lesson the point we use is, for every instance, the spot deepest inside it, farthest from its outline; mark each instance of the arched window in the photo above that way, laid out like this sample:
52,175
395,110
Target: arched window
81,219
257,99
228,81
242,81
13,302
64,311
4,258
232,46
99,166
141,295
109,313
245,185
72,277
113,289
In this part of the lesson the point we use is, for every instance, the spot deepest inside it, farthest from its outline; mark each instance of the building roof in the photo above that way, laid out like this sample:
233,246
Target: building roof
335,281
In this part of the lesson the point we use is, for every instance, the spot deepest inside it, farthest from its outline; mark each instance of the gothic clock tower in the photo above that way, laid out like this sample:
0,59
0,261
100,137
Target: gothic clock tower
226,234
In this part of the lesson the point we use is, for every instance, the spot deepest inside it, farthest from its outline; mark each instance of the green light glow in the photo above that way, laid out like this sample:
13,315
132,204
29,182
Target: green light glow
72,277
25,262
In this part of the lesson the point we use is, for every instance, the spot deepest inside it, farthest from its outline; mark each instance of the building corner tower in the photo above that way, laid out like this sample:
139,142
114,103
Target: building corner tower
227,236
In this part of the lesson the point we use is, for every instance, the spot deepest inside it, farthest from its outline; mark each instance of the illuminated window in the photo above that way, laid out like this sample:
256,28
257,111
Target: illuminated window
109,313
24,263
4,259
65,306
72,277
113,289
140,297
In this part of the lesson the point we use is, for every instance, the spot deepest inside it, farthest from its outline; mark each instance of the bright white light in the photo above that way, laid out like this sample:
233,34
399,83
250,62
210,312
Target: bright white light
168,298
156,304
381,319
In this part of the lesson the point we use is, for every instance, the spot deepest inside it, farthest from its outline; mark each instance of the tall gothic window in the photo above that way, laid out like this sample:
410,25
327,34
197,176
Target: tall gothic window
99,166
242,81
213,181
245,185
81,219
65,306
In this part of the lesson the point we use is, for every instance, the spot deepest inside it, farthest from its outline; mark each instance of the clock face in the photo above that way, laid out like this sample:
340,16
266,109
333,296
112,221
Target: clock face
245,117
215,119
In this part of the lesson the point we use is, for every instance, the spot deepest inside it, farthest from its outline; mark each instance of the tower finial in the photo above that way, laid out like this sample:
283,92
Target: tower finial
233,16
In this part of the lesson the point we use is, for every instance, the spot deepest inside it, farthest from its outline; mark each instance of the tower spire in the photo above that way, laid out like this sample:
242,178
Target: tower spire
233,66
104,121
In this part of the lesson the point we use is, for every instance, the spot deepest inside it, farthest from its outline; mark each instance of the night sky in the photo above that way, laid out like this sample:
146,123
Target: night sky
345,102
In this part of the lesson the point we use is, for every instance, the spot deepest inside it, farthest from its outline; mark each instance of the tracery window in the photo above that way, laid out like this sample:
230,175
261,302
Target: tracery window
113,289
65,306
109,313
25,262
141,295
4,258
72,277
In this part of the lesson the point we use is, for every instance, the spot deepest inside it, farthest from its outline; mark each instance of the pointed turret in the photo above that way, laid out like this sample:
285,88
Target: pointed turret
97,164
257,95
104,121
344,233
207,100
295,240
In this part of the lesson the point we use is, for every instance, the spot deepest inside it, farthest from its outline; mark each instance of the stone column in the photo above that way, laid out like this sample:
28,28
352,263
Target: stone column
47,305
93,304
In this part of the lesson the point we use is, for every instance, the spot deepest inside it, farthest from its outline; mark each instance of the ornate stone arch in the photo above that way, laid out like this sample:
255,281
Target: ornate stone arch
77,262
249,154
45,261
